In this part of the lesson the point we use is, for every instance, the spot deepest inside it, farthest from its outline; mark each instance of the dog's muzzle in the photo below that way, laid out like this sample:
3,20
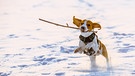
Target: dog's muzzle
82,29
89,52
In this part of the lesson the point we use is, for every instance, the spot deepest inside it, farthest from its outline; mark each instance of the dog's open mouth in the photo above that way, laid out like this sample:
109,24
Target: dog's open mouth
83,30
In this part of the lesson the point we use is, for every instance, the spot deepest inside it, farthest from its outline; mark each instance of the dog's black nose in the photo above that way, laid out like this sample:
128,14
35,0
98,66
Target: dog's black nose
82,27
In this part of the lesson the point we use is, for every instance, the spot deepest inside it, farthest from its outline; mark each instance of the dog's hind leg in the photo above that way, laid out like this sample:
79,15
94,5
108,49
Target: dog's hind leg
93,61
105,54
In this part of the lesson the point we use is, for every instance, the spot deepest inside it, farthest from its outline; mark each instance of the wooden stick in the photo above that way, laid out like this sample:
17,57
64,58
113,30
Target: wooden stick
58,24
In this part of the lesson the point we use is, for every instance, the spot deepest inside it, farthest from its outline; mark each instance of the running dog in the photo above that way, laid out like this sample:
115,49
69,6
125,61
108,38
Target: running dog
89,43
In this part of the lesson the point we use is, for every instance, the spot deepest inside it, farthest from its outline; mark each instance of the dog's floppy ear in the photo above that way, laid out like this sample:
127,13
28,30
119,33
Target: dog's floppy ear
96,25
77,21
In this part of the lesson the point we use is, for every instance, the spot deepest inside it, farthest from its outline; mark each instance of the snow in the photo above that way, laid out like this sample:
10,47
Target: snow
29,47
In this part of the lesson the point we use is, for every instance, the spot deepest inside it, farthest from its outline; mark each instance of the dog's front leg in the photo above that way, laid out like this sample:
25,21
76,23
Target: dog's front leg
77,50
81,47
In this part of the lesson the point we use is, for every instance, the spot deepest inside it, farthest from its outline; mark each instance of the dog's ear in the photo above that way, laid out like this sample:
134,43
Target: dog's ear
96,25
77,21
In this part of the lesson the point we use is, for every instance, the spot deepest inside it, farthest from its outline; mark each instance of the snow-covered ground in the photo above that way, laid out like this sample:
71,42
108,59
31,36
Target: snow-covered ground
29,47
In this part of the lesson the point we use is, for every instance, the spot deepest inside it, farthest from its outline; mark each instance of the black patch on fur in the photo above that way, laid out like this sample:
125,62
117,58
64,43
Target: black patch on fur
89,52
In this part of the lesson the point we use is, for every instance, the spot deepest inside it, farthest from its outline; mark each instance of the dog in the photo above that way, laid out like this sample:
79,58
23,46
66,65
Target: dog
89,43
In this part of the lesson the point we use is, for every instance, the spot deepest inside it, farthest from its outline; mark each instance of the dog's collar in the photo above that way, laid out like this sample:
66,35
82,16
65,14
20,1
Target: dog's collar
88,39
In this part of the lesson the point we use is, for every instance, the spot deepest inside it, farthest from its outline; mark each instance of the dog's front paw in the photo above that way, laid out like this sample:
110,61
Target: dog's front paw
77,50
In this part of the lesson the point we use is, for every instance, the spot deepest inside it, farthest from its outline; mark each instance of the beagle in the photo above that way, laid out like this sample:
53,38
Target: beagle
89,43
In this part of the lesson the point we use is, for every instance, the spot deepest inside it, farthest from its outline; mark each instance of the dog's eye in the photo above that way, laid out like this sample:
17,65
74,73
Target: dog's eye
82,23
88,24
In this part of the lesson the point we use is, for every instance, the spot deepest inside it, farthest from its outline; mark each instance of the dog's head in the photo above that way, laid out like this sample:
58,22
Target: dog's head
85,25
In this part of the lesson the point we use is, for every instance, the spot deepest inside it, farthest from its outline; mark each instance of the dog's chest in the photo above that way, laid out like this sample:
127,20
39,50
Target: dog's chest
88,41
87,37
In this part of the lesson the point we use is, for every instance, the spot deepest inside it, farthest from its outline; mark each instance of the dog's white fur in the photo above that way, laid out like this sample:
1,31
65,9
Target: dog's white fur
94,44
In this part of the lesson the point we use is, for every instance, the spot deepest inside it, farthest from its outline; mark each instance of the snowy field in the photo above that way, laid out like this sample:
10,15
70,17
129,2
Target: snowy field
29,47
